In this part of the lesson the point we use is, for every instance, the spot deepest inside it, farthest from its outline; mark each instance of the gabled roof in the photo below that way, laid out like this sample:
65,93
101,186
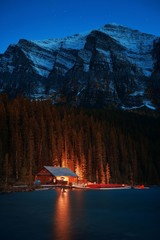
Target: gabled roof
60,171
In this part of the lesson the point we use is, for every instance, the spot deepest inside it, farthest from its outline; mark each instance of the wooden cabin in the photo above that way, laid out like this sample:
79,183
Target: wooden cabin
56,175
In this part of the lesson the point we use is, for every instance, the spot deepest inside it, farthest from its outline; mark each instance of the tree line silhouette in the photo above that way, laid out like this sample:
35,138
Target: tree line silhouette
100,145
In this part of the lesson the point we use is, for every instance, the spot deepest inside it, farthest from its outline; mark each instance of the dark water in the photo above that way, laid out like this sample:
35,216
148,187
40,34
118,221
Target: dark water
81,214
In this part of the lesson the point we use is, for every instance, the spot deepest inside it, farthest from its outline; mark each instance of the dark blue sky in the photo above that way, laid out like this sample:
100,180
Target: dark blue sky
42,19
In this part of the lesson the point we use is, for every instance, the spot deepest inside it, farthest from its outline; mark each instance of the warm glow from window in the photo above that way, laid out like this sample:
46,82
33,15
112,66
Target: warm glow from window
62,178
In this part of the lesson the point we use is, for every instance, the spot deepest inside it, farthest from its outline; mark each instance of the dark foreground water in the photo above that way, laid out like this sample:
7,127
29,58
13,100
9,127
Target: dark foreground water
81,214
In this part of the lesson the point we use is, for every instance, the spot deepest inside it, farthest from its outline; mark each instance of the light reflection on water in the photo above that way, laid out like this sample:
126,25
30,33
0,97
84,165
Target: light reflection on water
81,215
92,215
62,216
68,214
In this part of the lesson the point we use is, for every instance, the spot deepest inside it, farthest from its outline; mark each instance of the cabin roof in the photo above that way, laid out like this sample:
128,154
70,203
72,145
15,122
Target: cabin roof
60,171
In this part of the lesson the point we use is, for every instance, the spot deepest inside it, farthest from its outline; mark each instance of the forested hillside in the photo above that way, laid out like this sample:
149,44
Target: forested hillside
99,145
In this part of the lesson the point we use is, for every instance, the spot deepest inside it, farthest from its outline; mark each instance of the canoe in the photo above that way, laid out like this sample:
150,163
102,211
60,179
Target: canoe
107,186
140,187
41,189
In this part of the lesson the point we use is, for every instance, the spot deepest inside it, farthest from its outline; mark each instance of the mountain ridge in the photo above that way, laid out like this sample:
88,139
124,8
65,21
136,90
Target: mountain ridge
110,65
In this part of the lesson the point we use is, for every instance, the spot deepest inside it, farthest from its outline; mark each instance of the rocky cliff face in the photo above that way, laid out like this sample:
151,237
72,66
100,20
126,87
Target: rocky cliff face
112,65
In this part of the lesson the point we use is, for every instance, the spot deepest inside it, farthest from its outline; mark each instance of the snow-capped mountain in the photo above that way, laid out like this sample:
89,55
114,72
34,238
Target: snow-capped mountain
111,65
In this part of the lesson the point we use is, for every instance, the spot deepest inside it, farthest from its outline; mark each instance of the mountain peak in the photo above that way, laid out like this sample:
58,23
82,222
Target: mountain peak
115,25
110,65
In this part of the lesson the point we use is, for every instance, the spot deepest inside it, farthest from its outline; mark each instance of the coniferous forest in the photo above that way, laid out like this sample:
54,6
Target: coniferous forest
100,145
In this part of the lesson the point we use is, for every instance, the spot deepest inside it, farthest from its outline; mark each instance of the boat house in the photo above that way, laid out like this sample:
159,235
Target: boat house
56,175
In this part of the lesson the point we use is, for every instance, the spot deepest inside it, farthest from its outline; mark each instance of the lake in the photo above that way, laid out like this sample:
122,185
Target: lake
130,214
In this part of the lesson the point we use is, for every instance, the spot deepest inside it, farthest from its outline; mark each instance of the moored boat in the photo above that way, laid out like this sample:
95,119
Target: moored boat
140,187
41,189
103,186
79,186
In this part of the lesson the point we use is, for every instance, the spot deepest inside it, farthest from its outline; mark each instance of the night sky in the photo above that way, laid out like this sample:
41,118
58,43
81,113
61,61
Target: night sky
42,19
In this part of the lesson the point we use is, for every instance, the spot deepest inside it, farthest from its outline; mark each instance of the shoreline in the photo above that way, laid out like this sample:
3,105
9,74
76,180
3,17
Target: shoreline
27,188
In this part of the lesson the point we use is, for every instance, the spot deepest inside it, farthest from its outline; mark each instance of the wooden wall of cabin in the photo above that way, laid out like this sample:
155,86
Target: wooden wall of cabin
45,179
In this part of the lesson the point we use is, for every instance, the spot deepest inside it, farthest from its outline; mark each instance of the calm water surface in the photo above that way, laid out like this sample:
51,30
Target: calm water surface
81,214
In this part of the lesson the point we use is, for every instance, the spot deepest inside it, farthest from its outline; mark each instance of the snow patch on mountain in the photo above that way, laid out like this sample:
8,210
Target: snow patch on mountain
76,41
85,55
138,45
149,104
138,50
111,87
65,59
40,93
83,88
42,64
42,53
131,108
42,60
146,103
114,59
7,61
107,56
137,93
